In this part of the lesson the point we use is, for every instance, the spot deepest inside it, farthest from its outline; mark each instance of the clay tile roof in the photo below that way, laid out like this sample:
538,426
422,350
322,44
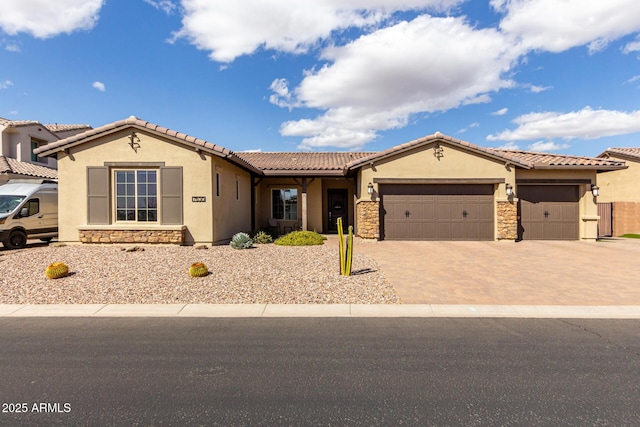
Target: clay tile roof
9,165
80,138
301,161
631,152
17,123
559,161
56,127
503,156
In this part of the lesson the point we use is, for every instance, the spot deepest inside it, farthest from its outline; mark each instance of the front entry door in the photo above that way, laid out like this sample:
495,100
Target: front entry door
337,205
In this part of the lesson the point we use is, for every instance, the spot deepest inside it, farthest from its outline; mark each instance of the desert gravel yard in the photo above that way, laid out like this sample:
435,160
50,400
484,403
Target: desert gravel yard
107,274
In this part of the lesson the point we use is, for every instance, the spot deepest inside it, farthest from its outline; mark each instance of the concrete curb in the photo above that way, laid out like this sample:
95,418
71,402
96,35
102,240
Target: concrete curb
319,310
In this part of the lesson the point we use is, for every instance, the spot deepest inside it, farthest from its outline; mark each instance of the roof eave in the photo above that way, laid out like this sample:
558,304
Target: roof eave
303,172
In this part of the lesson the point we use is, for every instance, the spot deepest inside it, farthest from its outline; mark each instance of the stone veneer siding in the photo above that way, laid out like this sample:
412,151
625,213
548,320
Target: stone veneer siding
368,213
507,220
132,236
626,218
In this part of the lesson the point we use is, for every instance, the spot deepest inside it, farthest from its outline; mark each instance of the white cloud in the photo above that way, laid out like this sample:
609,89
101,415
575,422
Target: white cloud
12,47
229,29
538,89
471,126
633,79
547,146
46,18
509,146
281,95
556,26
166,6
634,46
585,124
442,63
6,84
500,112
100,86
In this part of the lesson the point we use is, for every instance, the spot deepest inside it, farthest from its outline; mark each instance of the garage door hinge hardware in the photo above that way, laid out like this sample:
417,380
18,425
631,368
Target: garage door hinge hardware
464,214
546,214
407,214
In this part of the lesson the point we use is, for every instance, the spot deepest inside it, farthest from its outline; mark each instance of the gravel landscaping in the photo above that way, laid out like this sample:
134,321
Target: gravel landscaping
107,274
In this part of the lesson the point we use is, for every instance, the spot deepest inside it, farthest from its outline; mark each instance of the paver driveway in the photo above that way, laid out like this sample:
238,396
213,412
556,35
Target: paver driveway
510,273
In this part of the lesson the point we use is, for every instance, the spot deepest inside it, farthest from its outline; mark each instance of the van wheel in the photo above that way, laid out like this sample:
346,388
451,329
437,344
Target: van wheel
17,239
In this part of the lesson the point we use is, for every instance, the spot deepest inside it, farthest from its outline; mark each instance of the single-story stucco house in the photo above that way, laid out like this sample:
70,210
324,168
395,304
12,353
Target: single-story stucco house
621,189
133,181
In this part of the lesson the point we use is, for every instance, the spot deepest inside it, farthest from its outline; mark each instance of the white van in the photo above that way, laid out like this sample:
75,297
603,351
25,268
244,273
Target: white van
28,210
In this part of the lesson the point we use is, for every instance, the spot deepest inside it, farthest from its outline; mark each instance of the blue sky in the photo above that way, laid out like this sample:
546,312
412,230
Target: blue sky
332,75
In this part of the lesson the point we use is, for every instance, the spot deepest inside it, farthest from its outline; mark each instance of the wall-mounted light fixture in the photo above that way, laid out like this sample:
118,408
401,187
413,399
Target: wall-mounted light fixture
509,190
595,190
370,188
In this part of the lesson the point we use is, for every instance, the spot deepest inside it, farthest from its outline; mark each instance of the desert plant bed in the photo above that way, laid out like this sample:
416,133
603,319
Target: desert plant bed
107,274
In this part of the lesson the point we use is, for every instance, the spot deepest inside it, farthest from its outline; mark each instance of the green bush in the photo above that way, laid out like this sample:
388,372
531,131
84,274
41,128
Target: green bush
262,237
241,241
300,238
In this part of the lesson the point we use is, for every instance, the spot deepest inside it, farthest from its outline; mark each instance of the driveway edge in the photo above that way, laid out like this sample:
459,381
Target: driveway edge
319,310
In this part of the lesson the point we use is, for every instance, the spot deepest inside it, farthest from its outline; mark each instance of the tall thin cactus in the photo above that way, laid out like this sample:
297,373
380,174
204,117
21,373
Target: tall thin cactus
346,250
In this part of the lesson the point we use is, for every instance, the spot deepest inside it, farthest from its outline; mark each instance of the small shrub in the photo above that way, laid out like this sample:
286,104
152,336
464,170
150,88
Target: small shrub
241,241
57,270
262,237
198,269
300,238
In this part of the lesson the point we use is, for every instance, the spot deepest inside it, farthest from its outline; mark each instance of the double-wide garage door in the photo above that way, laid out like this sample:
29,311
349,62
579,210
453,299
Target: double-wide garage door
548,212
437,211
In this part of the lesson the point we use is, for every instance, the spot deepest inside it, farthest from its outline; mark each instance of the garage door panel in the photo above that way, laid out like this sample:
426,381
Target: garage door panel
549,212
437,212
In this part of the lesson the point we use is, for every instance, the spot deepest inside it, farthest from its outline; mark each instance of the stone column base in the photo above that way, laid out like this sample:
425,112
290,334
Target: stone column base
368,214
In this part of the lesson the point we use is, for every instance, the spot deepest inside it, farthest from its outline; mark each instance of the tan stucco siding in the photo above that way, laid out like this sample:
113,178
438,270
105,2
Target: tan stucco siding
232,208
115,148
16,143
454,164
421,163
621,185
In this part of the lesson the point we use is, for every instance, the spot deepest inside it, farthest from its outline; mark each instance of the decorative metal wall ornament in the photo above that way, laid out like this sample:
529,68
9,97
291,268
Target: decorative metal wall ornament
134,141
438,151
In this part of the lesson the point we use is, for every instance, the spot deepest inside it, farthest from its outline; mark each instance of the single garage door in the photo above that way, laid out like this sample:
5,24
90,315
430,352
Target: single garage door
548,212
437,211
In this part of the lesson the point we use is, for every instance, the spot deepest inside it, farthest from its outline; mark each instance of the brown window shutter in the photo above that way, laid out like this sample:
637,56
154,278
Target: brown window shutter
171,195
98,195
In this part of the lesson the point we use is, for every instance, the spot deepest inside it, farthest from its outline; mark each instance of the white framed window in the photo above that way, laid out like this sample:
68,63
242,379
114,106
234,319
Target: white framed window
284,203
136,195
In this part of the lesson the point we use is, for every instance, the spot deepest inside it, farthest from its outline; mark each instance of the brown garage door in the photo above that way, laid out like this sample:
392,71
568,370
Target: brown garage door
437,212
548,212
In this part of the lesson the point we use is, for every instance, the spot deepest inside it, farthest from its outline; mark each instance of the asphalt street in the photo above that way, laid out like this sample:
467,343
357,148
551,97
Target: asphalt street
319,371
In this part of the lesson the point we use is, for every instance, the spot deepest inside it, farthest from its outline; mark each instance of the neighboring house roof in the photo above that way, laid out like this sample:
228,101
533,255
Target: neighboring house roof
132,121
9,165
17,123
56,127
302,163
630,153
